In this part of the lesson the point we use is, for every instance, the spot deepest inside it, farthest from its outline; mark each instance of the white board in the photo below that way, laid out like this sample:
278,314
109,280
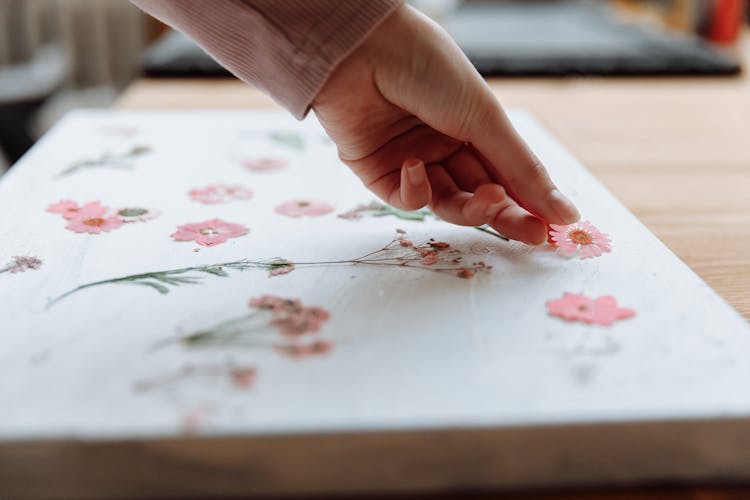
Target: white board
413,350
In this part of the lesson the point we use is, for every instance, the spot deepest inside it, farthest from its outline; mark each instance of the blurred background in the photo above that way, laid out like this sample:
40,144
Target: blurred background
56,55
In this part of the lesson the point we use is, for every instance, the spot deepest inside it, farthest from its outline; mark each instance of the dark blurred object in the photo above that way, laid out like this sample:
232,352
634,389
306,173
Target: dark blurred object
175,55
575,37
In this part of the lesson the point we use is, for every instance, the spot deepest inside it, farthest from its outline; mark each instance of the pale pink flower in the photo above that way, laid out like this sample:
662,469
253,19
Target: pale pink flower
264,164
210,232
575,307
280,267
582,238
299,208
71,210
242,378
94,224
317,348
136,214
21,264
290,316
220,193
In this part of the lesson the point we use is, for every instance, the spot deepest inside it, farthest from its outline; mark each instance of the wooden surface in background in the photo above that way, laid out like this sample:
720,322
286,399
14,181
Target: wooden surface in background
675,151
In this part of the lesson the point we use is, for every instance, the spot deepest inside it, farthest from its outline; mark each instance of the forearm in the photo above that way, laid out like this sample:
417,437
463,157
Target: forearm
285,48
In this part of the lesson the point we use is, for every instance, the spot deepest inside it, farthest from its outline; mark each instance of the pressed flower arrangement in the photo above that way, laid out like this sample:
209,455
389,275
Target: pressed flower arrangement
95,218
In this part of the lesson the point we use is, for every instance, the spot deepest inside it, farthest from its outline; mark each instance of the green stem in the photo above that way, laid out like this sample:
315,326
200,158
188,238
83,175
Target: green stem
485,229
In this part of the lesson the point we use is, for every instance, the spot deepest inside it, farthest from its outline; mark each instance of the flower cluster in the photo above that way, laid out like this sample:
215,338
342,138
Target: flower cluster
19,264
220,193
210,232
289,316
600,311
95,218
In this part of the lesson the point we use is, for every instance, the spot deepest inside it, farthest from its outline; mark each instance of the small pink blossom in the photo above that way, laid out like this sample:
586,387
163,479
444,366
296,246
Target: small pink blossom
289,316
94,224
280,267
299,208
582,238
264,164
136,214
220,193
429,258
21,264
317,348
210,232
242,378
601,311
71,210
465,273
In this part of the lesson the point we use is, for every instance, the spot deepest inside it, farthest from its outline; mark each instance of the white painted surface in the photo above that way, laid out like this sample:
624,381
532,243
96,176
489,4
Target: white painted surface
413,349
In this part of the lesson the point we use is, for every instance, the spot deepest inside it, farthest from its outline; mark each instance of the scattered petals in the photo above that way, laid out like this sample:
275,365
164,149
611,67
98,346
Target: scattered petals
210,232
20,264
220,193
94,224
581,238
264,164
601,311
299,208
316,348
136,214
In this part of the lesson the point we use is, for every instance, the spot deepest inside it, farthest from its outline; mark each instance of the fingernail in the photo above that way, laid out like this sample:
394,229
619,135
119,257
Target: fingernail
563,207
415,171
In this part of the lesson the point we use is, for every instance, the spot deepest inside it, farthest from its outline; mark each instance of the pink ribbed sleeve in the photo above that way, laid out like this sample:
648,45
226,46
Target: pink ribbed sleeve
287,48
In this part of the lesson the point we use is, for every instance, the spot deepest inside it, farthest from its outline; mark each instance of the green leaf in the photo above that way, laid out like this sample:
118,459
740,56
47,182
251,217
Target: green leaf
289,139
156,286
216,271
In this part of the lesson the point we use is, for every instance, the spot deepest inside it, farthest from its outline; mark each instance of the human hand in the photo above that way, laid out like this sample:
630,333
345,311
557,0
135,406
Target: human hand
415,121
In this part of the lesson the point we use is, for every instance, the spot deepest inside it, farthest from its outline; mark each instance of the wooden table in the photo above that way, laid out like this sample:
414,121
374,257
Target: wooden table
675,151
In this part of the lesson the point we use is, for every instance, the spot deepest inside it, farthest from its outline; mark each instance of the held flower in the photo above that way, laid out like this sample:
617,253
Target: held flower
600,311
209,233
94,224
299,208
220,193
582,238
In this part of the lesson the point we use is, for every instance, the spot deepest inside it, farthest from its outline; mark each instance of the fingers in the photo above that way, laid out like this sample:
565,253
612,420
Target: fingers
414,191
512,163
490,204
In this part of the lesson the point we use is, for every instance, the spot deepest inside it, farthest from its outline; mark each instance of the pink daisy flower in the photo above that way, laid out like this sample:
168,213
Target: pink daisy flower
299,208
317,348
94,224
71,210
582,238
136,214
264,164
210,232
575,307
220,193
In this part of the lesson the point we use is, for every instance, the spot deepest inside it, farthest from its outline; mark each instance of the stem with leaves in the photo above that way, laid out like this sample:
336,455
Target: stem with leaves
107,159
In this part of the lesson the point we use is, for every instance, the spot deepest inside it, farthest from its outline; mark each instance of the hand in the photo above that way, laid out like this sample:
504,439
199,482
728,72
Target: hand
415,121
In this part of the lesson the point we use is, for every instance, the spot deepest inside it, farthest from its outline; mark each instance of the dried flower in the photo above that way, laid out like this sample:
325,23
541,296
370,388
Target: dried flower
317,348
71,210
20,264
582,238
210,232
299,208
575,307
277,267
94,224
136,214
290,316
264,164
242,378
220,193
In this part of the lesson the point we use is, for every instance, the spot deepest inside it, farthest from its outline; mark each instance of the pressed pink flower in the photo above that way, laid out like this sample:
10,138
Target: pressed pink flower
210,232
136,214
264,164
298,208
71,210
94,224
582,238
280,267
21,264
601,311
220,193
317,348
290,316
242,378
